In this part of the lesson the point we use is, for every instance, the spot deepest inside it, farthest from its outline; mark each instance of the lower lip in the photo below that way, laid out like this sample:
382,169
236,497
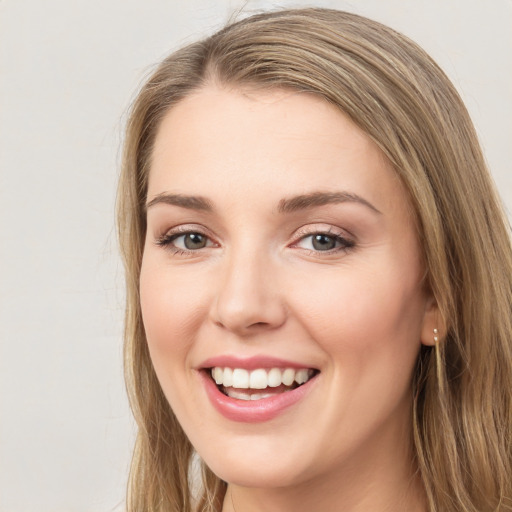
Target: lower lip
253,411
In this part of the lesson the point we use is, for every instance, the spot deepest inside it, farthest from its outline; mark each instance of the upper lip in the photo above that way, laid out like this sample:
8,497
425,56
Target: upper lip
250,363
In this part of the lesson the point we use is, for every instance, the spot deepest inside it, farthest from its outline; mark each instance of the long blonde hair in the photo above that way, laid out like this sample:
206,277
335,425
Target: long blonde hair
462,390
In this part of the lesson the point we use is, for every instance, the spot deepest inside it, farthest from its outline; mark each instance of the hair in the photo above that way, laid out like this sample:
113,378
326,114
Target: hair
391,89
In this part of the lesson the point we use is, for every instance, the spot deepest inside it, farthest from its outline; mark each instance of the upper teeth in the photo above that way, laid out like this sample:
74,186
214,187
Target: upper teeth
259,378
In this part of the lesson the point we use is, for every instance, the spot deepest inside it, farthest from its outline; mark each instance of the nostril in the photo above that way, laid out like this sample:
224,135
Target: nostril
259,324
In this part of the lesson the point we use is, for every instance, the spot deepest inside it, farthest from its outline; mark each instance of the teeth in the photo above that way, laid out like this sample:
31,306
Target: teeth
218,375
227,377
301,376
274,378
240,378
241,395
288,376
260,378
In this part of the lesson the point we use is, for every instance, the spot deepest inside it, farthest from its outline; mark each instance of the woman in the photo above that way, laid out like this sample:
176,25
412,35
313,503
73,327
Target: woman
319,278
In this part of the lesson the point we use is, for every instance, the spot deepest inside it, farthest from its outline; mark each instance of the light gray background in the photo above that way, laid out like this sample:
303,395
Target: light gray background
68,70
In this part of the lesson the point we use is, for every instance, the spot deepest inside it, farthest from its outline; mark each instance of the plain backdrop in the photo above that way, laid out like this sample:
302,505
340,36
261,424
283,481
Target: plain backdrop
68,71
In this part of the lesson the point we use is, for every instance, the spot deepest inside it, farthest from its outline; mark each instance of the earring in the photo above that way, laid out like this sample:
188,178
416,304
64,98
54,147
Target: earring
436,337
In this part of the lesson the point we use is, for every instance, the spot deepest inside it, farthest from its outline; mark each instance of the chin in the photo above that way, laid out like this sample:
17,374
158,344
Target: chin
260,465
263,476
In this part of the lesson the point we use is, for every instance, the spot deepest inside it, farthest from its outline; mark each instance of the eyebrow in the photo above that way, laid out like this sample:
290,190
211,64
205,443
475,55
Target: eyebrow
314,199
189,202
287,205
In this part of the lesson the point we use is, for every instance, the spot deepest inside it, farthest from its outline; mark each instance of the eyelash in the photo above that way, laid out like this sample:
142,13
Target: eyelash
344,244
166,241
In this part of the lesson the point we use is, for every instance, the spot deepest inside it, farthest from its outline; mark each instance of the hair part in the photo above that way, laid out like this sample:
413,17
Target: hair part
390,88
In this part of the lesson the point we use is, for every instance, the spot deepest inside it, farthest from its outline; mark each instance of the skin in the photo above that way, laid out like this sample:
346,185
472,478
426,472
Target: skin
358,312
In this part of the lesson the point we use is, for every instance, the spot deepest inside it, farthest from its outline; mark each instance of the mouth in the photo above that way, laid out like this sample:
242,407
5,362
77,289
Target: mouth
259,383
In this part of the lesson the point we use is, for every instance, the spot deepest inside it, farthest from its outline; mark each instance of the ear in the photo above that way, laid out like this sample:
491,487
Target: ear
433,329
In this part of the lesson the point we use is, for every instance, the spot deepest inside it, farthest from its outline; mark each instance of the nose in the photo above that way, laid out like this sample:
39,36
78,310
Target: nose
248,299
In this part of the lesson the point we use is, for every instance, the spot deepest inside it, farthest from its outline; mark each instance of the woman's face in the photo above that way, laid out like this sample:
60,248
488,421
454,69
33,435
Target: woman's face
281,247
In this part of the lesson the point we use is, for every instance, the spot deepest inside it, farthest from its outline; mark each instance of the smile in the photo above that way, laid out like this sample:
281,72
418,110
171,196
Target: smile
260,383
256,389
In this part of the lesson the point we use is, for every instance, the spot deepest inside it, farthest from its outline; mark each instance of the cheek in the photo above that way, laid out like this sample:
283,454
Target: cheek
365,317
368,325
172,310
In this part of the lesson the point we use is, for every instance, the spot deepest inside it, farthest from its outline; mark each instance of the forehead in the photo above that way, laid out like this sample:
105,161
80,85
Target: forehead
257,143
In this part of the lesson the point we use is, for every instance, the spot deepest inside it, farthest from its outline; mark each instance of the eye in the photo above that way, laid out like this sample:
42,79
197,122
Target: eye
324,242
321,242
188,241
